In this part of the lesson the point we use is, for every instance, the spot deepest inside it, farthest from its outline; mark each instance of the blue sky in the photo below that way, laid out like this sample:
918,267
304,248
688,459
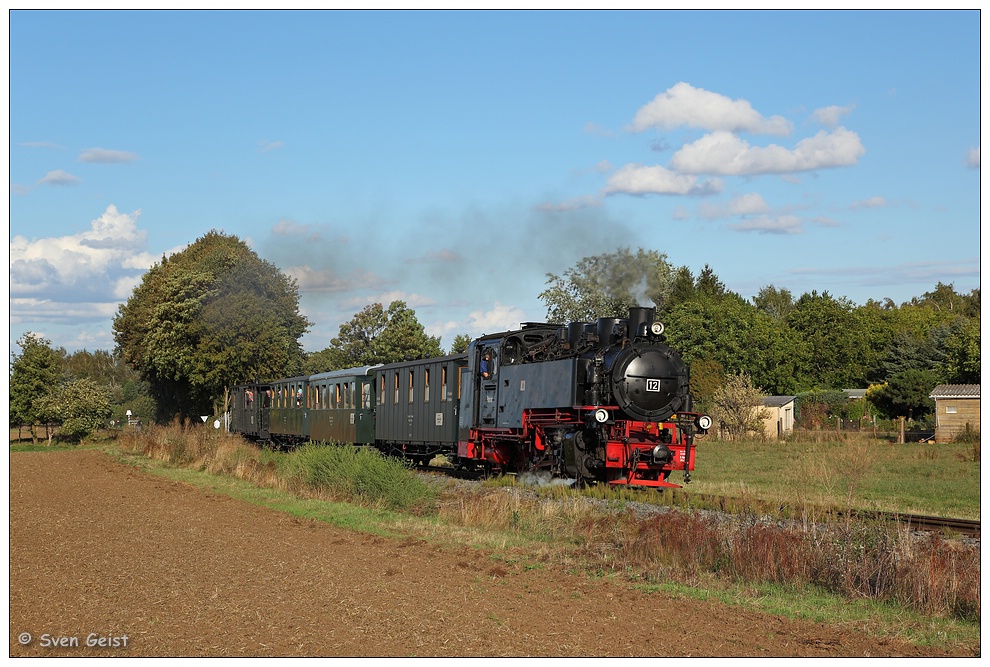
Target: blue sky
452,160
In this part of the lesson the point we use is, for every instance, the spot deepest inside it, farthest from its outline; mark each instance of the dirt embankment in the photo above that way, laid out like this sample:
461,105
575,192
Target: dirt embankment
100,552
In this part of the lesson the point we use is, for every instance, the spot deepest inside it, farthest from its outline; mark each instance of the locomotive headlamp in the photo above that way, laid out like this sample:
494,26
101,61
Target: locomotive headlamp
662,454
704,422
601,415
656,328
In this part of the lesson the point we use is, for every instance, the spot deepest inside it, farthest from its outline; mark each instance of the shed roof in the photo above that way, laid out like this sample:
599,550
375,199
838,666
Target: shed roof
955,391
777,401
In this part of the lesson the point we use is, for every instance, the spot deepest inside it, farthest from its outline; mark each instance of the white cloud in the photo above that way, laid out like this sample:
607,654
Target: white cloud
831,116
683,105
724,153
747,204
499,318
58,177
871,202
637,179
49,310
765,224
973,158
597,130
266,146
287,227
107,156
85,263
899,274
411,299
41,144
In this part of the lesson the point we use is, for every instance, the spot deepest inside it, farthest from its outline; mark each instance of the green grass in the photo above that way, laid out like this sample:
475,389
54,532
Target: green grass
919,478
820,606
358,518
360,473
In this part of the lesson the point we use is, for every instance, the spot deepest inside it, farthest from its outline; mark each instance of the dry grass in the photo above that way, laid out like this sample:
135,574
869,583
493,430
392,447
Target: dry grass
849,557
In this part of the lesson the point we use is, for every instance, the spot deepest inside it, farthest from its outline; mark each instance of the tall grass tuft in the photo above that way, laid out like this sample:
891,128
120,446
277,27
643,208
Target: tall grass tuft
360,473
341,473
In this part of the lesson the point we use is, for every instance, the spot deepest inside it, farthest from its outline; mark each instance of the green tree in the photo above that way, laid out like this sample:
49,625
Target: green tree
733,333
905,394
682,288
380,336
709,285
33,373
839,345
608,285
960,363
777,303
206,318
76,409
460,344
943,298
707,376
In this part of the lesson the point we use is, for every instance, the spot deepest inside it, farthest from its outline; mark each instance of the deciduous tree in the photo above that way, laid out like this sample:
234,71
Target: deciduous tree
208,317
608,285
737,407
75,409
33,373
380,336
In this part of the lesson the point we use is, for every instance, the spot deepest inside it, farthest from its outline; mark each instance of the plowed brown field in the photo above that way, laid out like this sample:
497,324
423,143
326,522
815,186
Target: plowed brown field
102,551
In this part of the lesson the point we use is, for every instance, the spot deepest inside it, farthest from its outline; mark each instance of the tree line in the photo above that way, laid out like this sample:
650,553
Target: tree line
215,315
782,344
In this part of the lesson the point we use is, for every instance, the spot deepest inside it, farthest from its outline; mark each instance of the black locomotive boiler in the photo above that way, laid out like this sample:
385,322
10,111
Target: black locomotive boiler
603,401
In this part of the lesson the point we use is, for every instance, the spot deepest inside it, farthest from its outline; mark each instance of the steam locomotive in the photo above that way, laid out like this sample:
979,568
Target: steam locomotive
594,402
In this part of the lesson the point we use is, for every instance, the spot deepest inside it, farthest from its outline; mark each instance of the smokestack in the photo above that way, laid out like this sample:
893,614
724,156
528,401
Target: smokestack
640,319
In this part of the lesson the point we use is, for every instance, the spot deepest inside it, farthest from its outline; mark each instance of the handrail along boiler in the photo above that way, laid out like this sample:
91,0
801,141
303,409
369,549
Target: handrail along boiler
597,402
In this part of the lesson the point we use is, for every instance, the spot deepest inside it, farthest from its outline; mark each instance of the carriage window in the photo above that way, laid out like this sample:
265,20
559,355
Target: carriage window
443,383
336,395
366,394
396,401
351,397
381,389
426,385
410,386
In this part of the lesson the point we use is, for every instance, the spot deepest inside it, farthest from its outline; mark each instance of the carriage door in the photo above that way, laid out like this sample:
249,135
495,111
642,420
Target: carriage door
265,394
488,394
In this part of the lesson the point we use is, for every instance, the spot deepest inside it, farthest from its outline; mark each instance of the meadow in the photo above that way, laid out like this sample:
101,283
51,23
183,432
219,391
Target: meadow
845,472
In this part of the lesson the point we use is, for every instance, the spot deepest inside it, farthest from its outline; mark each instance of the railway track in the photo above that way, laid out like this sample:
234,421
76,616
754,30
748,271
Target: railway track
918,522
967,527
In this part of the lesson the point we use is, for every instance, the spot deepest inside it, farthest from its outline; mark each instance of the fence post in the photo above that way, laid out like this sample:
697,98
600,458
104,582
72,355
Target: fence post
900,431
